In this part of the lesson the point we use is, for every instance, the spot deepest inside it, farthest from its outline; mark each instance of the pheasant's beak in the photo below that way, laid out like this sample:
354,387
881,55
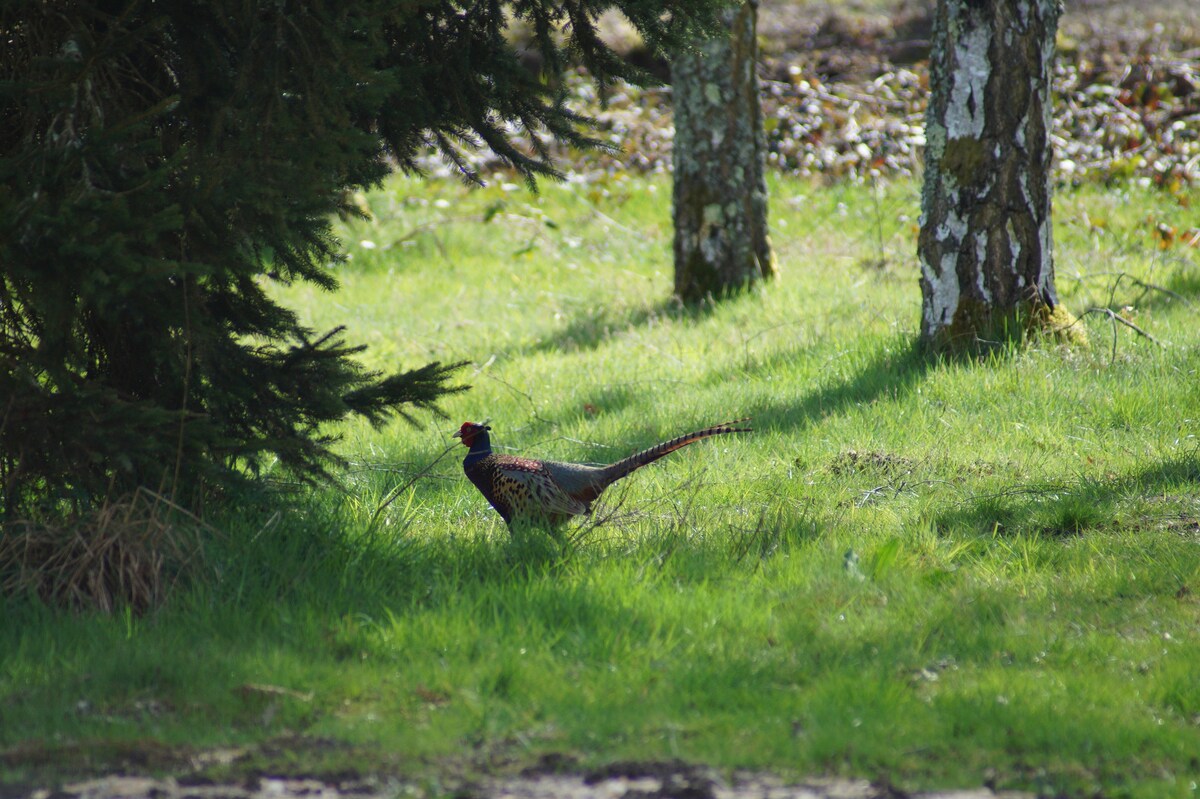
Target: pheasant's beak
456,434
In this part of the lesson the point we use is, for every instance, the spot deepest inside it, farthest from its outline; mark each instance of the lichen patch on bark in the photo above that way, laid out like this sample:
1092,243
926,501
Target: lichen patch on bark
720,192
985,244
965,111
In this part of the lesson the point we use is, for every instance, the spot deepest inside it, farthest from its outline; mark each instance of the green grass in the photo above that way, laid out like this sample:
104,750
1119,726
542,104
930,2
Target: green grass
938,573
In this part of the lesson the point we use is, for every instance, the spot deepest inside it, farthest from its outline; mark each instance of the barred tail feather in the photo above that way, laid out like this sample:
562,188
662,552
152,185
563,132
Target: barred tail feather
623,467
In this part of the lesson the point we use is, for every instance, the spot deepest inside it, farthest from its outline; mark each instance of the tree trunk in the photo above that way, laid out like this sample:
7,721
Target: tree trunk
987,269
720,192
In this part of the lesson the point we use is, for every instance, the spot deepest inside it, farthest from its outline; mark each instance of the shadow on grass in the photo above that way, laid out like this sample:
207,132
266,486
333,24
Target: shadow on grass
591,329
604,399
1159,497
1180,285
317,555
1184,282
891,373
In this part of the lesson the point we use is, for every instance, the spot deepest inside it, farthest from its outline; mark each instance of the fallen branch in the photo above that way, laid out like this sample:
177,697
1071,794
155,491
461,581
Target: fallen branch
262,689
1116,317
1142,283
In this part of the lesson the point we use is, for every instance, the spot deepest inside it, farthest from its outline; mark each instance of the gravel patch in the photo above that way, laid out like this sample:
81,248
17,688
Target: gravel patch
641,781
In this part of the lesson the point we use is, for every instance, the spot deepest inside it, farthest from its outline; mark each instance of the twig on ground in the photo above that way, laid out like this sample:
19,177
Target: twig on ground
613,514
432,229
1033,491
401,489
604,514
896,487
263,689
428,227
1138,282
528,397
1116,317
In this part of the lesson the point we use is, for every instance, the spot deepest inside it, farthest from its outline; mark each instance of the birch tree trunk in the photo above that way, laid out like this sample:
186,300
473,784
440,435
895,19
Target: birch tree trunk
720,192
985,245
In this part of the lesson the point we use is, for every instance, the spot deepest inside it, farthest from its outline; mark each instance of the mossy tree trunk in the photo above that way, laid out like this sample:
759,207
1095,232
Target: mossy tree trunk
720,192
985,245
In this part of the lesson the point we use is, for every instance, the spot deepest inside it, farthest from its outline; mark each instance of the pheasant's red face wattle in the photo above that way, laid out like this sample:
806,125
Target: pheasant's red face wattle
467,433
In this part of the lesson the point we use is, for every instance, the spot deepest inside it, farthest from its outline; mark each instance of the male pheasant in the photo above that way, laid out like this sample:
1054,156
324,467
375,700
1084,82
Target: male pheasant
530,491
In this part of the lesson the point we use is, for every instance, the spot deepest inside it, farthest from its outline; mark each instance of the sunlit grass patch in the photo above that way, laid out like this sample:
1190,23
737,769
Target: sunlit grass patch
934,572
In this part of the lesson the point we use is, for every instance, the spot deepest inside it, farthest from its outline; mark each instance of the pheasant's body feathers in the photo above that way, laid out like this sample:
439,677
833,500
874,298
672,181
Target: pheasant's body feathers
551,492
520,488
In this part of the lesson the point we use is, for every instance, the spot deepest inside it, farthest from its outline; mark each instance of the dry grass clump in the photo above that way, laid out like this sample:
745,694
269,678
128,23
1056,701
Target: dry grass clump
127,553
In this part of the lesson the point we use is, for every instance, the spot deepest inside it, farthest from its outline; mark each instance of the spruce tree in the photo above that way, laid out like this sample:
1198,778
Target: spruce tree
162,162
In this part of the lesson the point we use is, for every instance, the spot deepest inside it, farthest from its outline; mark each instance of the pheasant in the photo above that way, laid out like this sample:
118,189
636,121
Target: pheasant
524,490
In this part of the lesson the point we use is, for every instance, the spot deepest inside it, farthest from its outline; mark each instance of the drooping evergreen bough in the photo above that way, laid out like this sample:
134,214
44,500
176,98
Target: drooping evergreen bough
162,162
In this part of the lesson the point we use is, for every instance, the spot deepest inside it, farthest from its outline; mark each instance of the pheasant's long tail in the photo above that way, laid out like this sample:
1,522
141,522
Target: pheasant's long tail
623,467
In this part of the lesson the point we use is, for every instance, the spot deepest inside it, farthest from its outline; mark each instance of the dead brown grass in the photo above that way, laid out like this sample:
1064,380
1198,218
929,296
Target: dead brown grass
127,554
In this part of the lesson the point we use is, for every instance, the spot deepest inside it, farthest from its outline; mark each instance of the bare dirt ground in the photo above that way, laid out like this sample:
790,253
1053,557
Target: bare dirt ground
844,88
624,781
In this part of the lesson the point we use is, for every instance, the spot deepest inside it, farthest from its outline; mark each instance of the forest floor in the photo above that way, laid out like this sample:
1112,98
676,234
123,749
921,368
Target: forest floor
626,781
845,85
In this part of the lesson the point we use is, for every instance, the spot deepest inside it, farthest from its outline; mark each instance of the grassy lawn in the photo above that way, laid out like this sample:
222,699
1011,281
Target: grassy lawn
938,573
